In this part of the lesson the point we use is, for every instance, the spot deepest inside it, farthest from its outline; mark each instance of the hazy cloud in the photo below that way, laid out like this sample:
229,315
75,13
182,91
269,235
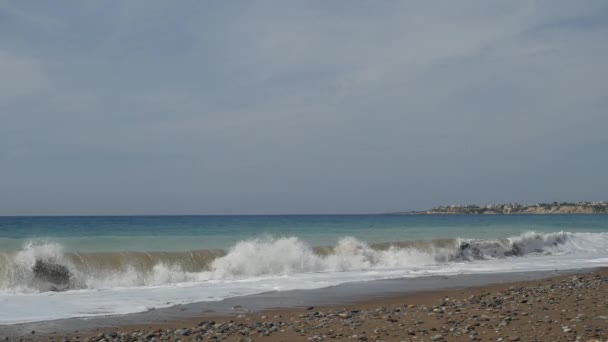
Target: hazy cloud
273,107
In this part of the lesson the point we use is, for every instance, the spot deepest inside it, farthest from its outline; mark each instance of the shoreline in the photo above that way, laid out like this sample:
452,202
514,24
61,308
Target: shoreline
567,208
432,213
420,292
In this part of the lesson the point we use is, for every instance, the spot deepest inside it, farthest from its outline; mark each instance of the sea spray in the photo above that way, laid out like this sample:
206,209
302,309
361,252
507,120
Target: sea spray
280,256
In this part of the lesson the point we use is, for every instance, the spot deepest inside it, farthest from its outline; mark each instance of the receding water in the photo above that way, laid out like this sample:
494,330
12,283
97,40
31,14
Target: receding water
117,265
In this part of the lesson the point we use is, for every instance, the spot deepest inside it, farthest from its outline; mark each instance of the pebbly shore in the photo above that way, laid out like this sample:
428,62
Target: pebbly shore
565,308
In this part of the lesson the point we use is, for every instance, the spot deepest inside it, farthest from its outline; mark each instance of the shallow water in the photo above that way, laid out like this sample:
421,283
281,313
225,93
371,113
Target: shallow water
122,265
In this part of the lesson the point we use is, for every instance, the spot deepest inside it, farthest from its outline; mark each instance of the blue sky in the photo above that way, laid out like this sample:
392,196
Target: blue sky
228,107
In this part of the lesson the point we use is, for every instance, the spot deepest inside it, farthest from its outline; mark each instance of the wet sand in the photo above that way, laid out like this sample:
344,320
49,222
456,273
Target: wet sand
559,308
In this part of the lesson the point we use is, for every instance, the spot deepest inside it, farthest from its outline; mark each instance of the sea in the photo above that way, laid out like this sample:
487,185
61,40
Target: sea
128,264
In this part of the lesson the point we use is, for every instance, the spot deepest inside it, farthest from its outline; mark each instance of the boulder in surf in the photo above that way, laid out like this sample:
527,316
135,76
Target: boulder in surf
53,273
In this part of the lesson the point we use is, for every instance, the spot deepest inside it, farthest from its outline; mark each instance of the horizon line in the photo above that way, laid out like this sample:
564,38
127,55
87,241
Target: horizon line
161,215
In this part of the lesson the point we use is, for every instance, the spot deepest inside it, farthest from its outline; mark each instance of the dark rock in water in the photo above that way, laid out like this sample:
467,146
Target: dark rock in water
50,272
515,251
468,250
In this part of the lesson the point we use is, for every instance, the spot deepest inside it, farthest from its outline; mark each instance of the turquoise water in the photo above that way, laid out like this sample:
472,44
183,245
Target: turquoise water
182,233
121,265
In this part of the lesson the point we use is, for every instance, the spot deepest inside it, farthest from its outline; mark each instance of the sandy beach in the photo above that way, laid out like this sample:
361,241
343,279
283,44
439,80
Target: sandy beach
303,171
564,308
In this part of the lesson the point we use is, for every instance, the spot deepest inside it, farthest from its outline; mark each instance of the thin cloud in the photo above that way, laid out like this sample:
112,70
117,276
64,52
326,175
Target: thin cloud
149,107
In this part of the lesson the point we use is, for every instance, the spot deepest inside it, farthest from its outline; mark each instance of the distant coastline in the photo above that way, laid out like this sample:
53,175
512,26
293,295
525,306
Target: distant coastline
600,207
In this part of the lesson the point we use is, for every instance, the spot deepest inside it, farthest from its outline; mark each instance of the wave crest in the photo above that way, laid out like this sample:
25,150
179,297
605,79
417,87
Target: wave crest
274,257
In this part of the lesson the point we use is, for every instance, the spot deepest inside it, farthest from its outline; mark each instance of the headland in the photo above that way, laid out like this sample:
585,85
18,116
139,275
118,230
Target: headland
600,207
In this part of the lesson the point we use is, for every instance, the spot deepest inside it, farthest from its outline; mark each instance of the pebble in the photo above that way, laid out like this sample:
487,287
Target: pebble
483,316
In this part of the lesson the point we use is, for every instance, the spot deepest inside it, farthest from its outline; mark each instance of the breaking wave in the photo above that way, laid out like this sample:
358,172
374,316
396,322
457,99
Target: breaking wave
44,266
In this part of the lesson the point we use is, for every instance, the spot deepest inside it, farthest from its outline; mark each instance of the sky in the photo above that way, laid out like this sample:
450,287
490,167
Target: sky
271,107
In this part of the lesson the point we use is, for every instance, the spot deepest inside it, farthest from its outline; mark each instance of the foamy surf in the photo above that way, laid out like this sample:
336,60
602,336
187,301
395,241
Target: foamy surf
276,257
128,282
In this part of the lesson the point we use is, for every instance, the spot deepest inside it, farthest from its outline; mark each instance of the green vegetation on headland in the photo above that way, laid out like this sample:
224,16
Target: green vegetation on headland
600,207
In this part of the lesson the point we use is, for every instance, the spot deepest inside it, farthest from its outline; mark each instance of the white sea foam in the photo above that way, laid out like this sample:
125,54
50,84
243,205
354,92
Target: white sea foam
279,256
116,284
